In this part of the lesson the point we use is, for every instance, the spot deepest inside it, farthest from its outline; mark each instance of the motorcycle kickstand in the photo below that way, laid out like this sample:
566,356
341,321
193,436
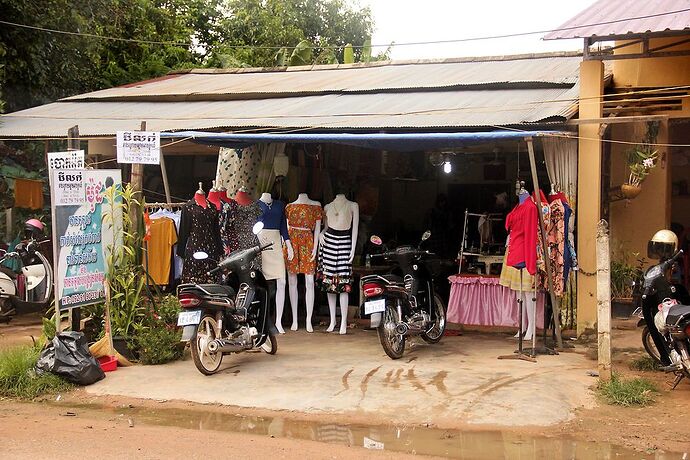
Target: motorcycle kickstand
677,380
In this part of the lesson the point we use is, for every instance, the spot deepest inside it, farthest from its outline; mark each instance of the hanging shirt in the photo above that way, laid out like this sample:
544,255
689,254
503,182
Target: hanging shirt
522,224
163,236
28,193
177,260
273,217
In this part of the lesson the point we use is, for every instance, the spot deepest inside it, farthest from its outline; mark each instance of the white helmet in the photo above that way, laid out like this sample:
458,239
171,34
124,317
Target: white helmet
663,245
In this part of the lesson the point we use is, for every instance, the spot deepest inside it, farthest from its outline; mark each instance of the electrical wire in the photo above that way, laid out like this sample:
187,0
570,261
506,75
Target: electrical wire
417,43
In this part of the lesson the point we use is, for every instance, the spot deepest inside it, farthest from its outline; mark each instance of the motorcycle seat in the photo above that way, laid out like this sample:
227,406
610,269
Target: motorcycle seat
677,313
8,272
387,278
214,290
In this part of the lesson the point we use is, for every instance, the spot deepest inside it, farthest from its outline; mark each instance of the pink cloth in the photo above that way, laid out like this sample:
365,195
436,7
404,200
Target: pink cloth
482,301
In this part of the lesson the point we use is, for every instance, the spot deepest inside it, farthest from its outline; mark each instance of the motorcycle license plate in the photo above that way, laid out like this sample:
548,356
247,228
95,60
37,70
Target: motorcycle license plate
187,318
374,306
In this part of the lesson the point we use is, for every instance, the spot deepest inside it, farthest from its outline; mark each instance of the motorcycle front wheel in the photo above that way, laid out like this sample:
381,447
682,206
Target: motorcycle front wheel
270,346
435,333
208,363
392,342
650,346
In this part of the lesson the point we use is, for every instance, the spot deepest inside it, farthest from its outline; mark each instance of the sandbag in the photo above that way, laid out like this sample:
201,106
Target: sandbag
68,356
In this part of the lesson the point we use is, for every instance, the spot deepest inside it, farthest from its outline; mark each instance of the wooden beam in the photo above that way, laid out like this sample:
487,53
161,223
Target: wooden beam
611,121
136,180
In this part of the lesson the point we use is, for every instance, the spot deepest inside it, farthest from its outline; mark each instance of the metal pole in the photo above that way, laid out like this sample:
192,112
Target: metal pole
464,238
544,245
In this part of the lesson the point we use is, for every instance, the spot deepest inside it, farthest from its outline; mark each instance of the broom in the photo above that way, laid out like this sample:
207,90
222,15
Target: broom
104,346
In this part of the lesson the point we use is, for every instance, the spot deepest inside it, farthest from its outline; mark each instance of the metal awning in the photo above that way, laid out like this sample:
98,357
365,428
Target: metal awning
401,142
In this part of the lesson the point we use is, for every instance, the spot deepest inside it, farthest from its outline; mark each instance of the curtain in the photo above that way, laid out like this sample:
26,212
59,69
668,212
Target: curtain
561,164
267,153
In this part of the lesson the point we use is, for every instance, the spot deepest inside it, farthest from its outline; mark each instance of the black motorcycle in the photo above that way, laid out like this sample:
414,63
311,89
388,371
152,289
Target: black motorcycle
405,303
668,323
219,319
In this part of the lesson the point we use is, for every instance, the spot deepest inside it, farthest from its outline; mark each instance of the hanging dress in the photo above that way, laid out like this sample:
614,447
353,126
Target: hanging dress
198,232
236,228
302,219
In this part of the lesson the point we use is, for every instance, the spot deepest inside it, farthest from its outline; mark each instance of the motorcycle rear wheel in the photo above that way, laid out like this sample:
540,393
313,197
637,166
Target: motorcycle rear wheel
650,346
207,363
435,332
393,343
270,346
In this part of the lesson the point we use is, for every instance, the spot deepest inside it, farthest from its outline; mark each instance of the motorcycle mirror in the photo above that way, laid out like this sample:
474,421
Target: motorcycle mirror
376,240
426,235
257,227
201,255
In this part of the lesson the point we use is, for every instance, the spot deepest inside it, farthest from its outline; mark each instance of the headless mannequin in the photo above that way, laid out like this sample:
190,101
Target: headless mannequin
303,198
341,214
214,196
243,197
224,197
280,282
529,301
200,197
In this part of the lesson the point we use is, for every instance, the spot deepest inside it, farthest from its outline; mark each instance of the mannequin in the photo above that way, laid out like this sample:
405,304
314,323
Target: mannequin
304,226
243,197
272,261
224,197
214,196
200,197
336,254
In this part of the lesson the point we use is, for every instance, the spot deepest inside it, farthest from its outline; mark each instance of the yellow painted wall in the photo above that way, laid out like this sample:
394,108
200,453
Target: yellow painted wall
652,72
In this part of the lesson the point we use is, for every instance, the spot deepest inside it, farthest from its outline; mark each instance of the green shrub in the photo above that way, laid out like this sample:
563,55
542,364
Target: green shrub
644,363
627,392
167,309
18,379
158,344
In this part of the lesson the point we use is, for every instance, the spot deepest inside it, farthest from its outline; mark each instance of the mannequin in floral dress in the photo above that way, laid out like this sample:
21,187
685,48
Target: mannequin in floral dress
304,217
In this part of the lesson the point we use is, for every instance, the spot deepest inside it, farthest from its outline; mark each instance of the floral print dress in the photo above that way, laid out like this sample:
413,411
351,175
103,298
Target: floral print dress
302,219
198,232
236,225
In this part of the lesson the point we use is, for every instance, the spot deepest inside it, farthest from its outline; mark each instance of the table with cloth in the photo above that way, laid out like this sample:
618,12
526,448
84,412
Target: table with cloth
481,300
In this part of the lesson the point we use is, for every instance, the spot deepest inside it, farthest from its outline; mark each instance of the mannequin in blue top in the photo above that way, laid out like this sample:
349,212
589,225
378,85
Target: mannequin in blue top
272,261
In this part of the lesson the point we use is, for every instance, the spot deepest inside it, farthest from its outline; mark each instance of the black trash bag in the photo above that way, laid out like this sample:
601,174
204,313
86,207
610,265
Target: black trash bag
68,356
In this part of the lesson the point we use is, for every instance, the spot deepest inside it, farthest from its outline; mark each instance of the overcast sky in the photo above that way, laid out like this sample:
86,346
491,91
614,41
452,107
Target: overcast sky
424,20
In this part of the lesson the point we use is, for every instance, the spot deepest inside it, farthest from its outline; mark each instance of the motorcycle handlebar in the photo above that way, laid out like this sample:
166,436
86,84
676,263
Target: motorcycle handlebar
214,270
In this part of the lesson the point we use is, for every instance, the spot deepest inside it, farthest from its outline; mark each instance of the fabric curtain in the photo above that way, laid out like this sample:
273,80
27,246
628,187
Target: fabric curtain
266,176
561,164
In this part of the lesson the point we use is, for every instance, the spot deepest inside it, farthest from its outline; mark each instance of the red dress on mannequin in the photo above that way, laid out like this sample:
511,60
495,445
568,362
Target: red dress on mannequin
521,222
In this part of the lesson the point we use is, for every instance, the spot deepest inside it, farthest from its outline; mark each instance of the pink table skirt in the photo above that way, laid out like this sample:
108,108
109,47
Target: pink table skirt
480,300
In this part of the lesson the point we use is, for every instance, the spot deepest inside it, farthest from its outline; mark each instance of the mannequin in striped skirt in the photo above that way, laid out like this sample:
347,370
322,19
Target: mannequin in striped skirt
336,252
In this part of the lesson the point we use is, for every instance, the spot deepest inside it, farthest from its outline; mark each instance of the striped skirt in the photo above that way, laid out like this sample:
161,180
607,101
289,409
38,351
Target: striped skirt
335,269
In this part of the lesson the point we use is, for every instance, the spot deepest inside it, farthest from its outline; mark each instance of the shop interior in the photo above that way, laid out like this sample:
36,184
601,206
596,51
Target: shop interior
400,195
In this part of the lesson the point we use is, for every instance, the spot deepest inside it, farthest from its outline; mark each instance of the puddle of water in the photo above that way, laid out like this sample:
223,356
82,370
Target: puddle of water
413,440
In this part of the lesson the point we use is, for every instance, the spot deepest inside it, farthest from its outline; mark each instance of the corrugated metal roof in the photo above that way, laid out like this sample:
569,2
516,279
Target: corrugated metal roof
476,93
540,71
623,17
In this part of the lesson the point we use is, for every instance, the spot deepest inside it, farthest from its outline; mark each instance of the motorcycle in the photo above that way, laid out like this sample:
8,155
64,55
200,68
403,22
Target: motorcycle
407,305
671,320
30,288
218,320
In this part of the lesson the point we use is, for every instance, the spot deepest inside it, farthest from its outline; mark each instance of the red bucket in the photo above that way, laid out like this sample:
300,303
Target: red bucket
108,363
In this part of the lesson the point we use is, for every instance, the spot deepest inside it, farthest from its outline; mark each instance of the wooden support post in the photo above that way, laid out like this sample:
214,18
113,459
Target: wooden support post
164,173
542,229
604,300
73,143
137,182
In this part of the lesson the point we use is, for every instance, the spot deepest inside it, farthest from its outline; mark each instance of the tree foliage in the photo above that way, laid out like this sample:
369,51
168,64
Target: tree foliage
37,67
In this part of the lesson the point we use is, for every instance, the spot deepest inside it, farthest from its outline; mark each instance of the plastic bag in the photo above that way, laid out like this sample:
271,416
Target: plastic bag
68,356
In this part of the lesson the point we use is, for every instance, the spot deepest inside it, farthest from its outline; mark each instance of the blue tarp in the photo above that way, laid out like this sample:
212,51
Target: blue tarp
402,142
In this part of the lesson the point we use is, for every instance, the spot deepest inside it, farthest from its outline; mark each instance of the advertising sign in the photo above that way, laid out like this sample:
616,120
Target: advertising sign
139,147
81,235
74,159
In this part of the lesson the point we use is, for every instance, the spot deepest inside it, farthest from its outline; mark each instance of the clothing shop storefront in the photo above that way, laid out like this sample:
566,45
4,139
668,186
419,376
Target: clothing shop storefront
346,152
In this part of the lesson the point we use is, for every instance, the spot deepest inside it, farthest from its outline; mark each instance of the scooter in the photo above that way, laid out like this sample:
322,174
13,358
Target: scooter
29,289
671,320
218,320
407,305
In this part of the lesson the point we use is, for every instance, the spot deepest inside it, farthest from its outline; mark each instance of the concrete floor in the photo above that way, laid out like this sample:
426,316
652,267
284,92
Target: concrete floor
456,382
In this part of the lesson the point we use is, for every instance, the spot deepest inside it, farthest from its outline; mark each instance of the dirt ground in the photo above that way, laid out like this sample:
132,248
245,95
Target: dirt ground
661,427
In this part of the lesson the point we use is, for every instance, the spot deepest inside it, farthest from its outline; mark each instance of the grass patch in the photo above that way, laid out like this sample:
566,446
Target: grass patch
18,378
644,363
627,392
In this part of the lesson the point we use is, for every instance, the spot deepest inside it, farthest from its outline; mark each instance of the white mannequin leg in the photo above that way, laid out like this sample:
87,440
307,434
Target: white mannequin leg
531,312
294,298
280,303
309,297
332,300
344,303
524,314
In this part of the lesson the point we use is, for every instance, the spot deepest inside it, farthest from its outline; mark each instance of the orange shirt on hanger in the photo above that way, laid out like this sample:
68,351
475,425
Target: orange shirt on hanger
163,237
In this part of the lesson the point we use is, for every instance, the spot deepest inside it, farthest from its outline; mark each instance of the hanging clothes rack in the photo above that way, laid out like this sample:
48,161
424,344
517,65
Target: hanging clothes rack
164,205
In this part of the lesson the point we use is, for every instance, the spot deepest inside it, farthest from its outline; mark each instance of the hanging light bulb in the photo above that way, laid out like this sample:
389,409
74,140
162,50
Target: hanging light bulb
447,166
